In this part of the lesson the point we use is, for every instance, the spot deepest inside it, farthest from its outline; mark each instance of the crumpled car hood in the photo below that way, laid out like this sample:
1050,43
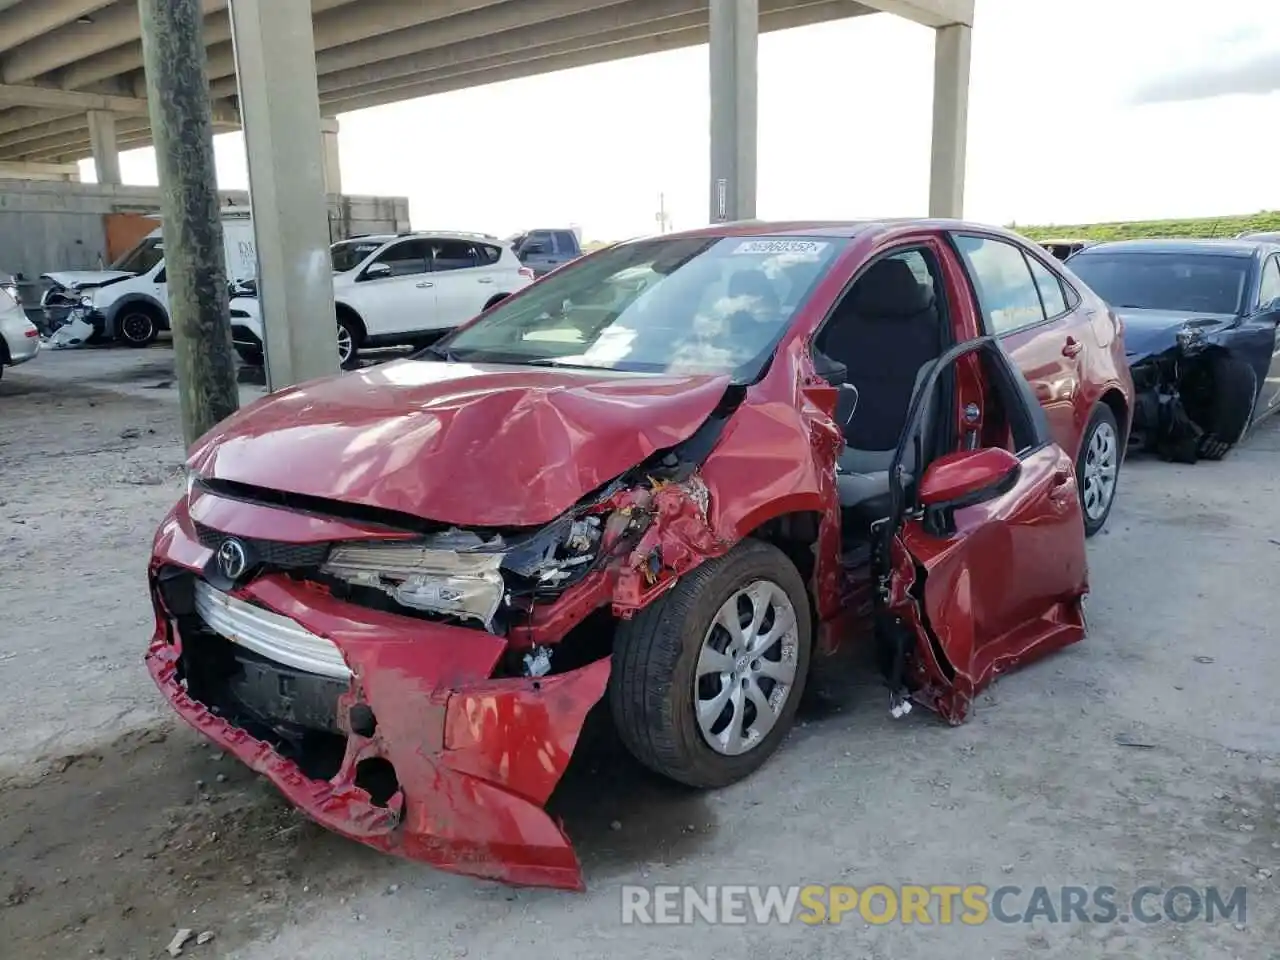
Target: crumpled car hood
79,279
1149,332
465,444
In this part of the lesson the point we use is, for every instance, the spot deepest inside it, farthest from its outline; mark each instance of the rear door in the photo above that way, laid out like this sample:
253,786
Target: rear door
1038,322
990,580
464,278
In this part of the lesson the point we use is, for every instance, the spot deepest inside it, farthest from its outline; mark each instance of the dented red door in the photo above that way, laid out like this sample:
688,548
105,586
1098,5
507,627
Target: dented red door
1006,586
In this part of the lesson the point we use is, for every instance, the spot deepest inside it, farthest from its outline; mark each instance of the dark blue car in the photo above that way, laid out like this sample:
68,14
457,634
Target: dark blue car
1200,328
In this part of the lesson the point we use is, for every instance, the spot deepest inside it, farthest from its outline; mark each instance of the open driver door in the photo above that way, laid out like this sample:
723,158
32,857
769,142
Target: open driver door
981,564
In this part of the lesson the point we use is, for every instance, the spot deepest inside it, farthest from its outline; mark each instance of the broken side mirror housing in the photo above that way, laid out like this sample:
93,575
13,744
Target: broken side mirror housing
971,476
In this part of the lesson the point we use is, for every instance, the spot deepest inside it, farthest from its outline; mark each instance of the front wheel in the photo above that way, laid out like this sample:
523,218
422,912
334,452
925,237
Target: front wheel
348,345
138,328
706,680
1098,468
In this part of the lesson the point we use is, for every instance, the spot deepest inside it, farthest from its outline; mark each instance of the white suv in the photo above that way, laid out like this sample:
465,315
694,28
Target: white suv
408,289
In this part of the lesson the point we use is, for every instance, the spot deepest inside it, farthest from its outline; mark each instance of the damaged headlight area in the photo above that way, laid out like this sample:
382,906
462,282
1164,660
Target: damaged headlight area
466,585
467,576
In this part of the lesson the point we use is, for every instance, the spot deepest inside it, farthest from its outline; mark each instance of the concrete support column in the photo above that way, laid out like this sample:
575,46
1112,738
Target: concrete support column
106,151
329,152
280,109
950,120
735,26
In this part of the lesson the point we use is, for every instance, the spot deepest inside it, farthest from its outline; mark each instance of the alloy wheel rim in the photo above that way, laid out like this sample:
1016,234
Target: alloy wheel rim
1101,467
344,344
746,668
136,327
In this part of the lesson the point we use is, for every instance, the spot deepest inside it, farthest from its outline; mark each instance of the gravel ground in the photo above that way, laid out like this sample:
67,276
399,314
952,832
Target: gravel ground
1150,754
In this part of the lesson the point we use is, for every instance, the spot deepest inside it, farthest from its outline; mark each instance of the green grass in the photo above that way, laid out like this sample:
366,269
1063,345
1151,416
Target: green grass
1204,227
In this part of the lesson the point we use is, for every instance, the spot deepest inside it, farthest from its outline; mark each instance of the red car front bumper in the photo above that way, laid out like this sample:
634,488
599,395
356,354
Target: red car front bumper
475,759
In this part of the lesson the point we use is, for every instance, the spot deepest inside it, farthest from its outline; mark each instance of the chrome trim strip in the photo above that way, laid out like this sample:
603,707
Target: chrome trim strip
273,636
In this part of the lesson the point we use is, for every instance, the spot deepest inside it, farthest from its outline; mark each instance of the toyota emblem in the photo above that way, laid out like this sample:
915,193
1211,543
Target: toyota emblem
232,560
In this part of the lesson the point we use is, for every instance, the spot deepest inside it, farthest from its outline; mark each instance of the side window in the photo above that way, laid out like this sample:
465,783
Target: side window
406,258
454,255
1270,288
1050,287
1006,291
488,254
539,243
566,242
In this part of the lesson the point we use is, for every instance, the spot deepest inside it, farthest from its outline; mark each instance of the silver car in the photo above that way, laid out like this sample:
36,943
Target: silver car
19,338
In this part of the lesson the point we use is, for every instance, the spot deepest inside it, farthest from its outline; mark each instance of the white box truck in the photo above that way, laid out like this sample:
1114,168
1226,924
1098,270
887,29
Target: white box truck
130,301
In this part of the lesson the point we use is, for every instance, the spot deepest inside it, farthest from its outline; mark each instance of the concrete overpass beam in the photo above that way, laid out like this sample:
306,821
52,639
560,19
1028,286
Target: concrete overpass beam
735,26
950,120
931,13
280,109
106,151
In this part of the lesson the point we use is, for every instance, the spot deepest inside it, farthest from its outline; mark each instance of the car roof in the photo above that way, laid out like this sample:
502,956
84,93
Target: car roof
833,229
1220,248
441,234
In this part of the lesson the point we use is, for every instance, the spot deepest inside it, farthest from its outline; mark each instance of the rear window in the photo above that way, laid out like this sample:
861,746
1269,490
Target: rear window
1205,283
6,301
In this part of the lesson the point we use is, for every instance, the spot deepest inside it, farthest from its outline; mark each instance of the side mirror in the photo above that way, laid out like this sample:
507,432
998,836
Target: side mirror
966,478
832,371
376,271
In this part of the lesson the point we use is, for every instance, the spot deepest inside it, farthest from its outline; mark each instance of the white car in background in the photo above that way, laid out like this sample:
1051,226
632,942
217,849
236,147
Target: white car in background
19,338
406,289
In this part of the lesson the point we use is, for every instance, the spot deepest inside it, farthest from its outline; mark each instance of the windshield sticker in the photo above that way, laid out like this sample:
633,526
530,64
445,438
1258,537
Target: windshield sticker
757,247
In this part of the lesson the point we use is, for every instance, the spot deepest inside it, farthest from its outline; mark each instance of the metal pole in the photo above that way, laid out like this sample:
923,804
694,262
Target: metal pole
735,26
182,128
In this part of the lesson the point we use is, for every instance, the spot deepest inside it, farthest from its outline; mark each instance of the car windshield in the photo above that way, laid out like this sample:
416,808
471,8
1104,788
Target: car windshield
1165,281
681,305
349,254
142,257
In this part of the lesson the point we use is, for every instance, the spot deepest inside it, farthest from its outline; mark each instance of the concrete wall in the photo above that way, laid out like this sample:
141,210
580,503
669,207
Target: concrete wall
48,226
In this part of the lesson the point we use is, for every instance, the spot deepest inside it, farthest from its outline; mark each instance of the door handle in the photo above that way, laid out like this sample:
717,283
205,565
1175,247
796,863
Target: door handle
424,284
1072,347
485,280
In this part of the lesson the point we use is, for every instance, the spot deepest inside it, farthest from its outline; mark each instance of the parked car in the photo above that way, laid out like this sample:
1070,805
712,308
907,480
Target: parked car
1268,236
19,338
398,592
392,290
1200,320
9,285
1062,249
130,301
546,249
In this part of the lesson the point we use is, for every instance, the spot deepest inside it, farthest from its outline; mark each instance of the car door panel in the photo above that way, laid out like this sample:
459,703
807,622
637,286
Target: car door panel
1046,344
464,283
402,303
1004,581
1268,315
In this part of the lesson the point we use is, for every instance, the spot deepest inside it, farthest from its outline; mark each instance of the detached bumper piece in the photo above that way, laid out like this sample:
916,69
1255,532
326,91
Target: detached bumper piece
383,728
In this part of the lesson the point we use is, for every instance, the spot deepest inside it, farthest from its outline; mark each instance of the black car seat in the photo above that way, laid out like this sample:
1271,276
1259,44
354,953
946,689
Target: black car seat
885,332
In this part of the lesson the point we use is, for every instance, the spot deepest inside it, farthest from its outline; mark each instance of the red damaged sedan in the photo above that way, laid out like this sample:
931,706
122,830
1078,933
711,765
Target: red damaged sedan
668,476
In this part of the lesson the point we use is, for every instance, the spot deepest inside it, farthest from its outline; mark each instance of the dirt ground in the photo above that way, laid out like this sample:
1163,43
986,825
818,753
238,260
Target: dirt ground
1150,754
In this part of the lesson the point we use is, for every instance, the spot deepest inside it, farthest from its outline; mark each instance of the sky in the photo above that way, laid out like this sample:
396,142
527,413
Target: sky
1080,110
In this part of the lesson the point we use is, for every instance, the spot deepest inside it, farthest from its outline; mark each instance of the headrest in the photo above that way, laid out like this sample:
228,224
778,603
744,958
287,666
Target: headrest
890,289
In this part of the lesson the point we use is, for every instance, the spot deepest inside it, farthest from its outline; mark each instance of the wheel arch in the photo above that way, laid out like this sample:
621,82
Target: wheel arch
496,299
135,301
349,313
1121,410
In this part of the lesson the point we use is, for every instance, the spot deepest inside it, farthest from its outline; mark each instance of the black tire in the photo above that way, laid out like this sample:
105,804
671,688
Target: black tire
655,655
1088,462
251,356
1226,407
496,299
352,330
137,326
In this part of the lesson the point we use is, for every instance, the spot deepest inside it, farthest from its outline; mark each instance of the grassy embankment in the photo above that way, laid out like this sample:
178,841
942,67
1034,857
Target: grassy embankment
1204,227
